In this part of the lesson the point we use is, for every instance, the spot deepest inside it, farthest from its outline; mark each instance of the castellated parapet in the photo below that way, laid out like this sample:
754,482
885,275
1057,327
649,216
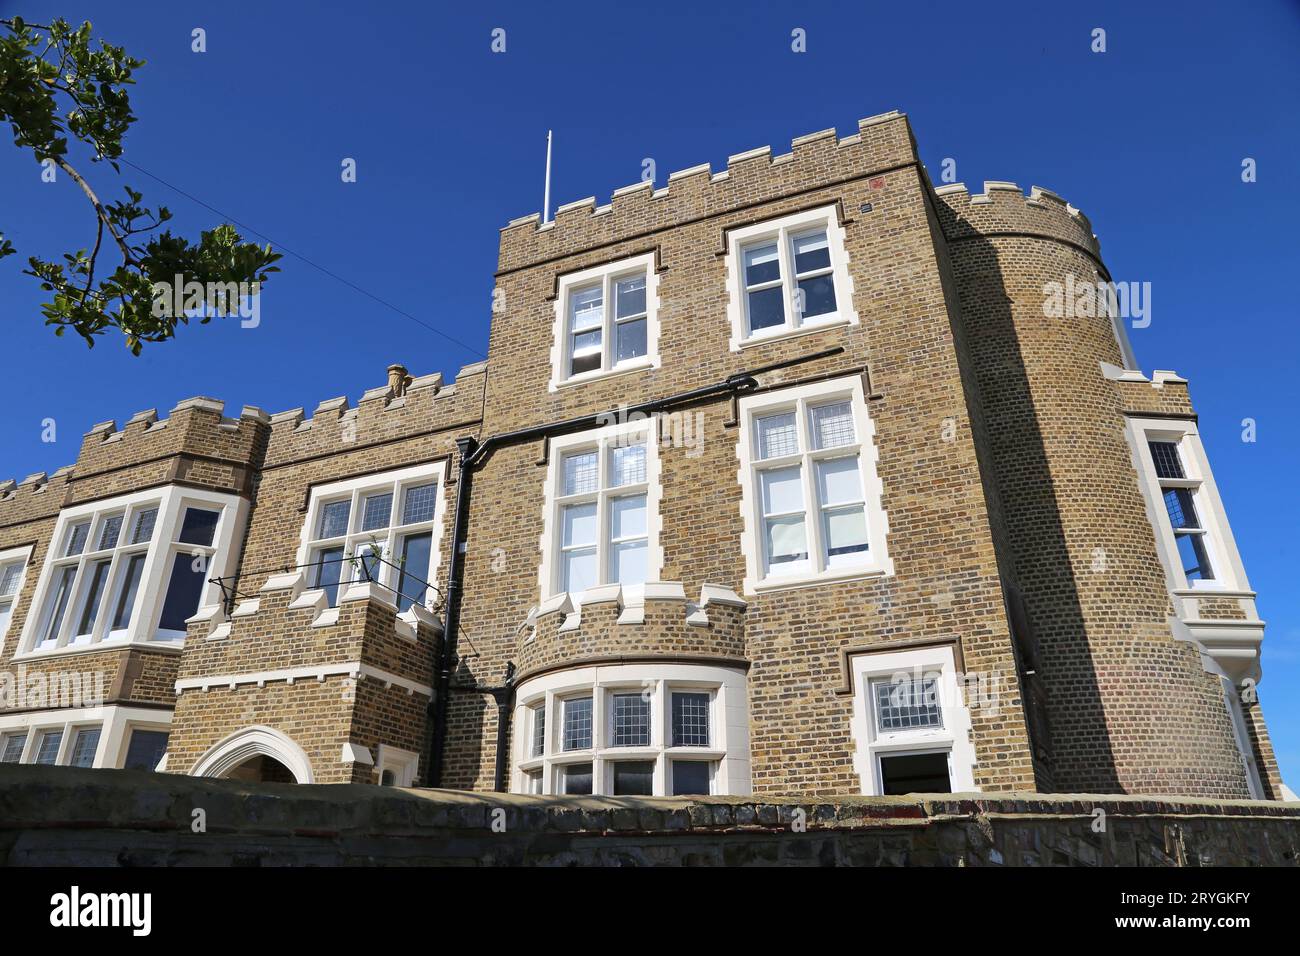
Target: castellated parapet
608,628
1003,209
417,405
882,143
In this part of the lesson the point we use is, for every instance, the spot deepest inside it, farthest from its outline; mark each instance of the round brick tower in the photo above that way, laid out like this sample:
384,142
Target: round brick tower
1131,708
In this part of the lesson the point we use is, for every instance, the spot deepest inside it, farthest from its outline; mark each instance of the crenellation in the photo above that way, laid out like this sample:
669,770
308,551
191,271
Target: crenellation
882,142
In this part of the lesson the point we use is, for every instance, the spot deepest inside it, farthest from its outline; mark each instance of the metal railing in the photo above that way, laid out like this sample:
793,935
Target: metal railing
230,592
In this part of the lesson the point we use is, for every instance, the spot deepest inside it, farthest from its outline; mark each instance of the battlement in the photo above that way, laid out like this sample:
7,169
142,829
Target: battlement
196,426
606,624
404,407
882,143
1164,393
1003,207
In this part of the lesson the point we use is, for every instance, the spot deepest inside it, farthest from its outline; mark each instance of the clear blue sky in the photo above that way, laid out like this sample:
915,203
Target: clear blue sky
1147,138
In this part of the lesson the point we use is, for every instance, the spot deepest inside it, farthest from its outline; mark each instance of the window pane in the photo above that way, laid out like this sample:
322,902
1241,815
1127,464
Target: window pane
838,481
1196,563
586,309
585,353
94,596
577,779
766,308
47,751
199,526
5,611
419,503
580,472
691,721
13,751
777,435
627,517
539,730
634,778
109,532
630,340
690,777
846,531
126,592
365,563
1182,513
579,571
183,592
9,580
785,540
816,296
782,490
1165,456
415,570
577,723
334,519
59,606
626,465
629,295
146,749
578,524
762,264
631,715
376,511
915,773
328,573
811,252
77,538
907,704
831,425
144,522
629,562
84,747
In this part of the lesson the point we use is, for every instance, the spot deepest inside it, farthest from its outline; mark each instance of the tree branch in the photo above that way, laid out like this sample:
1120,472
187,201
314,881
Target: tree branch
99,207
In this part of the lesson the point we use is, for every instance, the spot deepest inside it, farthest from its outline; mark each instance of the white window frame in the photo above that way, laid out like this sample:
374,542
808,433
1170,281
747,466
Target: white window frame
601,439
8,557
727,753
606,274
151,593
404,764
783,231
1221,549
953,738
799,399
356,490
116,724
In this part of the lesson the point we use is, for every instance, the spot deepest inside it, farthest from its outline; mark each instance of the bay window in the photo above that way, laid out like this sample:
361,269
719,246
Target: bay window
626,730
811,498
382,528
13,569
601,522
606,321
132,568
788,275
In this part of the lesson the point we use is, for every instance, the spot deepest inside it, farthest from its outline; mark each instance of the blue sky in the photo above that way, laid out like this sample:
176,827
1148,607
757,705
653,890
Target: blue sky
1147,138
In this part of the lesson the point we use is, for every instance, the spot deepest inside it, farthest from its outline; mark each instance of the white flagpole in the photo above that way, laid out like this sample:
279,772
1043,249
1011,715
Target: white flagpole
546,199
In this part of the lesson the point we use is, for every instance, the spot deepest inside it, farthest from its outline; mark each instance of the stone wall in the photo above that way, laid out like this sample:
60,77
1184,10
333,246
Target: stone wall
63,816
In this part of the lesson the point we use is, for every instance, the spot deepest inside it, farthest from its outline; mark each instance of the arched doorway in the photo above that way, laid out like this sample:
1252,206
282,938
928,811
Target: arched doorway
260,754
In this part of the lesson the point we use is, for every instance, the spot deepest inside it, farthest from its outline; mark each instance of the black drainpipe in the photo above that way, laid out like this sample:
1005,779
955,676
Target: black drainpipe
472,454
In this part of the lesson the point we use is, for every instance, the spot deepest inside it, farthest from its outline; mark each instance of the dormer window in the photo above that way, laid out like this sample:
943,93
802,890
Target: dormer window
606,321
